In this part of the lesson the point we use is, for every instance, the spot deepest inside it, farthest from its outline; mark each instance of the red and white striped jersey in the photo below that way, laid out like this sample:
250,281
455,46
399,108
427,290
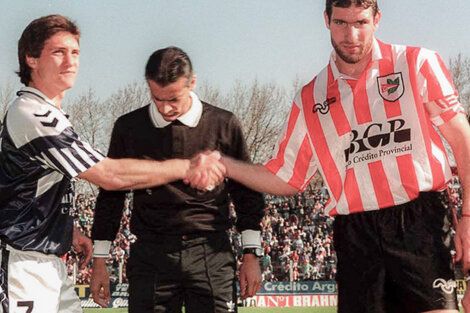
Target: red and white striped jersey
372,139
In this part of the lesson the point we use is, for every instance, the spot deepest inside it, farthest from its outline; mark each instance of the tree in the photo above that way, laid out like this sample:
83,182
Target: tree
261,109
6,96
125,100
459,68
87,115
210,94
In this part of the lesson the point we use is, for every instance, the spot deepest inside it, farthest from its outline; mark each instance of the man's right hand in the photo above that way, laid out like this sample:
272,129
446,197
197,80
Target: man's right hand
99,285
206,171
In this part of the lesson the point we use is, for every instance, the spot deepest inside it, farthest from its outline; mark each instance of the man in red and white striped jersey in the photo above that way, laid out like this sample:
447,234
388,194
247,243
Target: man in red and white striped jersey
367,122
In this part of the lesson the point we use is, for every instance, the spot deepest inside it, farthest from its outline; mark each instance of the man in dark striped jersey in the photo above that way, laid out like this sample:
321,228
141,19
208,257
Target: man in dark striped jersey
40,154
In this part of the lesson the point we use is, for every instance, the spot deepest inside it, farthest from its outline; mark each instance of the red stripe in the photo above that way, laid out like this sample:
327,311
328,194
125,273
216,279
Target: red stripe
320,144
446,72
275,164
336,109
408,175
333,211
425,124
351,190
381,187
433,85
301,164
361,101
438,177
448,115
386,67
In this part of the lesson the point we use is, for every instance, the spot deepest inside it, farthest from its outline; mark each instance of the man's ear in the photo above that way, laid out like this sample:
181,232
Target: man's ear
327,20
192,85
32,62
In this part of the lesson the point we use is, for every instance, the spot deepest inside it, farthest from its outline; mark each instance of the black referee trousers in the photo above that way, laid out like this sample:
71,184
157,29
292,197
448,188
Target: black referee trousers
197,271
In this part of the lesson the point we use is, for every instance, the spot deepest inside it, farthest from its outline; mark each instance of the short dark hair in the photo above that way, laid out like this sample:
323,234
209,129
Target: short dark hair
347,3
35,35
166,66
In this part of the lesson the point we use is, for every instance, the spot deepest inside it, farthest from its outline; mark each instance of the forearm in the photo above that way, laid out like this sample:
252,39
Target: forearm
457,133
462,157
127,174
257,177
99,262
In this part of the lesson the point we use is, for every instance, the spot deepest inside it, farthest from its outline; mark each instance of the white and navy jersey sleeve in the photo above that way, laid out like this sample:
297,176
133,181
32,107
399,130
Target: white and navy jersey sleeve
46,134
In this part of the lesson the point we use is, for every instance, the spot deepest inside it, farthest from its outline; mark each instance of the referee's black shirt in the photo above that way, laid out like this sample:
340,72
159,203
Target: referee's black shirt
176,208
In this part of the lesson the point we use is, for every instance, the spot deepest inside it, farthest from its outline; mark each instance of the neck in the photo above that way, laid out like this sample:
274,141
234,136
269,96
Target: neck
353,70
55,96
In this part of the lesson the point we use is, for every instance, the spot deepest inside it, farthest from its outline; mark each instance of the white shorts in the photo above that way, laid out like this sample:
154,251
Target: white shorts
36,283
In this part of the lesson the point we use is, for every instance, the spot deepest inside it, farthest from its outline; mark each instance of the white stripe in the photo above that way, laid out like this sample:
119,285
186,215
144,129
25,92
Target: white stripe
92,151
366,187
440,155
45,159
83,154
45,183
376,102
77,163
56,154
293,146
396,185
442,78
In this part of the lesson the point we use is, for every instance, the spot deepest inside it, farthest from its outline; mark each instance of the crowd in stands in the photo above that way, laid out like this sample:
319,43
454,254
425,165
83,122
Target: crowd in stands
297,237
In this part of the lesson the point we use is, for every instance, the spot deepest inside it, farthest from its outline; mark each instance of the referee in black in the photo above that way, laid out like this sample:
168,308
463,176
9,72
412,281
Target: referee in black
182,255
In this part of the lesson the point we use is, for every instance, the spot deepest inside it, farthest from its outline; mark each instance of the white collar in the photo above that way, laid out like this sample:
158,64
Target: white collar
40,95
376,55
37,93
190,118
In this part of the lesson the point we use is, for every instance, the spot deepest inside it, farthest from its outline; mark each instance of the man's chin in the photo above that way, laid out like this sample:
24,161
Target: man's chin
169,118
351,58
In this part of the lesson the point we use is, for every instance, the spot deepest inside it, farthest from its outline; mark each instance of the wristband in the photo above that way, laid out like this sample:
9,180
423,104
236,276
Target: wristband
465,215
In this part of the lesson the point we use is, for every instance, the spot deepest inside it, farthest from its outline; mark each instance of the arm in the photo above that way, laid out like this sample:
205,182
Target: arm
126,174
119,172
257,177
457,133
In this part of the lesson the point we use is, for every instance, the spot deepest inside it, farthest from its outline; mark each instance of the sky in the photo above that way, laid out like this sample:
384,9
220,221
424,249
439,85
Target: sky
274,41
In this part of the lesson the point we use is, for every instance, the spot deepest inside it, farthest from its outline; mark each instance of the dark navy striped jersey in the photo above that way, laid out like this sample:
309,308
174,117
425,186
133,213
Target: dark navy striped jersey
40,154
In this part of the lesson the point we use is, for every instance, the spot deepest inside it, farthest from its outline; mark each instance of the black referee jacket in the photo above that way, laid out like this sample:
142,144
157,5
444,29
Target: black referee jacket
176,208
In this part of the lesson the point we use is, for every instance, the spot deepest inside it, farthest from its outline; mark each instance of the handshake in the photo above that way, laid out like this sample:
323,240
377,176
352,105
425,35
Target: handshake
206,171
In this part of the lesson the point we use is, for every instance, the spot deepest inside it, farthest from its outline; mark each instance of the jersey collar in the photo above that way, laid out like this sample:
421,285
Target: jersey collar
44,99
376,55
190,118
37,93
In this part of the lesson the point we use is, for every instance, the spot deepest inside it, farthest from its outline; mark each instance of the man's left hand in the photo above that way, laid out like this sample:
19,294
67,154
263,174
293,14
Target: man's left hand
250,276
82,244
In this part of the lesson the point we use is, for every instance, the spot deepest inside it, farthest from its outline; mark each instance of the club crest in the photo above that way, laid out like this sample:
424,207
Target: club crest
391,86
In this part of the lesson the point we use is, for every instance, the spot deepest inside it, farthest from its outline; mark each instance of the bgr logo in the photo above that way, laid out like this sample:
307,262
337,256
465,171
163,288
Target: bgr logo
378,135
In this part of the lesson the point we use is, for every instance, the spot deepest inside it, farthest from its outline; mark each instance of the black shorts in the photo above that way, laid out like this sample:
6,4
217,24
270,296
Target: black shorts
396,259
195,271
